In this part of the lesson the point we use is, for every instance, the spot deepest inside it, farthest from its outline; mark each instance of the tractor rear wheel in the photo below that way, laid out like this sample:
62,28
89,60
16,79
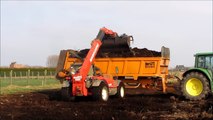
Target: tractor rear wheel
120,91
195,86
101,93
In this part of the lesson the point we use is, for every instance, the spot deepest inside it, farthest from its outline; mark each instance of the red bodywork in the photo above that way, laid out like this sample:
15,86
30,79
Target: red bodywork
78,79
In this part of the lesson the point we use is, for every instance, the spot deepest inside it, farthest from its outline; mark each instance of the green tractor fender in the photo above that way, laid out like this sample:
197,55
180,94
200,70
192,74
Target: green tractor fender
207,73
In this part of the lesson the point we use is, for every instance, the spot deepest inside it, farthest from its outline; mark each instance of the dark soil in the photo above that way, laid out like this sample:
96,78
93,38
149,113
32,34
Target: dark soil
135,52
47,105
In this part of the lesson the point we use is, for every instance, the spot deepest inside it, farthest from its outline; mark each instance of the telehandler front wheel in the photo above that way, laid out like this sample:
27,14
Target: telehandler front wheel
66,94
101,93
195,86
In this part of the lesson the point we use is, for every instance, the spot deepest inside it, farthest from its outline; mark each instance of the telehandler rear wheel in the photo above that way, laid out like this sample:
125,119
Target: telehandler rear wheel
120,91
195,86
101,93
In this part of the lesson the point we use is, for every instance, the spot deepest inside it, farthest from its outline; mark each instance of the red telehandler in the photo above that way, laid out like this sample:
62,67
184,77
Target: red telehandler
82,79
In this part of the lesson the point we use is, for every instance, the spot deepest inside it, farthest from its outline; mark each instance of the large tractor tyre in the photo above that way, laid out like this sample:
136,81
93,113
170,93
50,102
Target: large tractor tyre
101,93
120,91
66,94
195,86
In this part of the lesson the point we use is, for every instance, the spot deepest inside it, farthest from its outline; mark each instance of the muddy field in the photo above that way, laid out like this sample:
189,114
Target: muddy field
47,105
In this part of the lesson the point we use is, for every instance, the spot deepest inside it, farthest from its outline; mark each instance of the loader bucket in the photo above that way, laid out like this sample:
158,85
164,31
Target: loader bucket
61,61
116,44
165,52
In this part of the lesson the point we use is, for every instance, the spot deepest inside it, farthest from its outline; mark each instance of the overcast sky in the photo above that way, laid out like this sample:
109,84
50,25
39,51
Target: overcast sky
31,31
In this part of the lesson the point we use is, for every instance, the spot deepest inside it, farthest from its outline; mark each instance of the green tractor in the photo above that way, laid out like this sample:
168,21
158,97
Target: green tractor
197,83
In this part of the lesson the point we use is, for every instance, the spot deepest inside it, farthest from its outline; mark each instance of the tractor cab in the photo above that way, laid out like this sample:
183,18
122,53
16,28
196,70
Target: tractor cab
204,60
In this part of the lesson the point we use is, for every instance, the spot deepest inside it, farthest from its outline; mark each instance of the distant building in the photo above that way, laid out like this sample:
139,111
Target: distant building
15,65
180,68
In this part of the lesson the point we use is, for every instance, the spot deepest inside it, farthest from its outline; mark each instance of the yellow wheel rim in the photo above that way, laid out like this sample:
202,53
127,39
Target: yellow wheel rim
194,87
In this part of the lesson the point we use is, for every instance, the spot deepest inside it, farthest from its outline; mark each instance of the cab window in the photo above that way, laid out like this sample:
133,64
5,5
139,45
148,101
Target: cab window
201,61
205,62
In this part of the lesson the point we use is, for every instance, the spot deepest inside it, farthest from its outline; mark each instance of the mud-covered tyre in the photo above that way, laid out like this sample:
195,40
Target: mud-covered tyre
101,93
195,86
120,91
66,94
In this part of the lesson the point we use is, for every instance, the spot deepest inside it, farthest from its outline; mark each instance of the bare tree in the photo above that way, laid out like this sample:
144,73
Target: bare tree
52,61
